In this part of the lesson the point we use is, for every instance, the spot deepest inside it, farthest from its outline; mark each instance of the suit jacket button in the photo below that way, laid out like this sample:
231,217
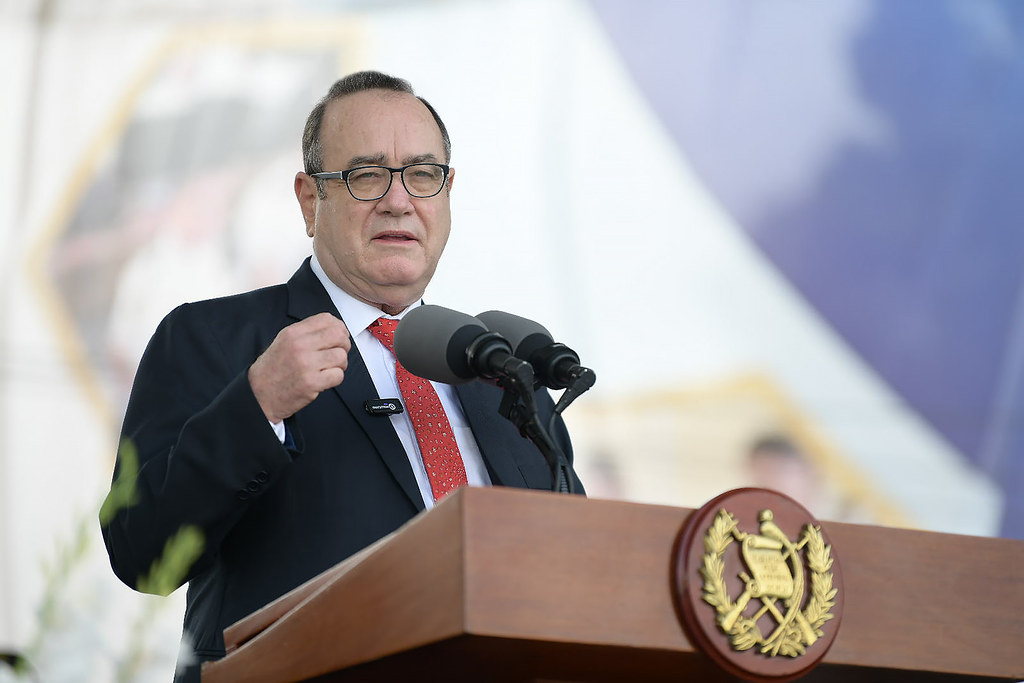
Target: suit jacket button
262,477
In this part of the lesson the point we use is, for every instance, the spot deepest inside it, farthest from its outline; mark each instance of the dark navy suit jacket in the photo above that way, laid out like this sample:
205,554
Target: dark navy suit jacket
272,516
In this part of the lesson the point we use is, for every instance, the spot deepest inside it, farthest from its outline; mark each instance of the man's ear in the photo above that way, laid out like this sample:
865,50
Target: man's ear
451,179
306,193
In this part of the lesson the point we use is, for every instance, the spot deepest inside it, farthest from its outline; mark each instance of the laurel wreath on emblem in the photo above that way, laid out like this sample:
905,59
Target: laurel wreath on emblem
797,629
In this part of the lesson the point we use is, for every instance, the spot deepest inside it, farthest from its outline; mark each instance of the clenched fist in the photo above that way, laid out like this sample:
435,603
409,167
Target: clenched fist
304,359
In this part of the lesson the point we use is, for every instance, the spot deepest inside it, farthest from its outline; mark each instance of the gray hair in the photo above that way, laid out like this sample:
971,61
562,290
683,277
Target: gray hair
312,147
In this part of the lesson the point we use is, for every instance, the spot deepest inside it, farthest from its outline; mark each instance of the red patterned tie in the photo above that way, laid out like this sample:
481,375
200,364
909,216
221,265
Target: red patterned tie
433,431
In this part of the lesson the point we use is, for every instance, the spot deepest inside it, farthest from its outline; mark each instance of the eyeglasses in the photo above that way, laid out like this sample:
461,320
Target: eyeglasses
370,183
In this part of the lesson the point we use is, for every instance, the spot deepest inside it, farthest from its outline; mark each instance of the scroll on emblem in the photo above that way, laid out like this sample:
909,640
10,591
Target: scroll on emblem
757,586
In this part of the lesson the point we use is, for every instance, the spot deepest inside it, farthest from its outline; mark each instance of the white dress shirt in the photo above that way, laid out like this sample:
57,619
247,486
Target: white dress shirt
380,363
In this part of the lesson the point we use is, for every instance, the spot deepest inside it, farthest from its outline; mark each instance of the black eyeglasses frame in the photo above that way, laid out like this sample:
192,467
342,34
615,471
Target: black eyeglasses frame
343,176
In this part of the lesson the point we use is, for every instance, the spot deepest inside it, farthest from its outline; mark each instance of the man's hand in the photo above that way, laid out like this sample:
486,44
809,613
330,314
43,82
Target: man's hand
304,359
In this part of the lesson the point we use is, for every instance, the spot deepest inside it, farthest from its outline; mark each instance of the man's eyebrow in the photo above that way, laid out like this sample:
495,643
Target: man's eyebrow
381,159
419,159
378,159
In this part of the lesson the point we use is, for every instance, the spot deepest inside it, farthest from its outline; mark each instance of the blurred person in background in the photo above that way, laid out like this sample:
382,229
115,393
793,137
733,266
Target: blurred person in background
776,462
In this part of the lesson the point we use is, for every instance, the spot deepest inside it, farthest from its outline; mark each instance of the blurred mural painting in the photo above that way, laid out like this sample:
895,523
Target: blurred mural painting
172,207
784,235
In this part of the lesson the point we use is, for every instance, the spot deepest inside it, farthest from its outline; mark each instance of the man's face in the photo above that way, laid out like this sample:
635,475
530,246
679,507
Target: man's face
383,252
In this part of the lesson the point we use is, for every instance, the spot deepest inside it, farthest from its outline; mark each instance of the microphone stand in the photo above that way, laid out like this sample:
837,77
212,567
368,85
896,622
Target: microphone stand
490,355
580,381
518,384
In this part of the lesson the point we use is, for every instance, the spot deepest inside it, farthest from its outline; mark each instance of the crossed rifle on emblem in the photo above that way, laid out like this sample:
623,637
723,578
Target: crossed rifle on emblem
767,555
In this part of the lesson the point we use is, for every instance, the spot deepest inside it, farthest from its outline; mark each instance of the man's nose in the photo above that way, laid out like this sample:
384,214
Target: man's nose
397,198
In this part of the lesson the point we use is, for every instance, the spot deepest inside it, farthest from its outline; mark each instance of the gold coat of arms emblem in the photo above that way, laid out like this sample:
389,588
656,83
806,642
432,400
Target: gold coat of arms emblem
776,578
757,586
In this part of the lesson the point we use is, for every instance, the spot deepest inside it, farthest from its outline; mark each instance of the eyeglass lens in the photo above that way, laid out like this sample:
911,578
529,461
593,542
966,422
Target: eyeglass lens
373,182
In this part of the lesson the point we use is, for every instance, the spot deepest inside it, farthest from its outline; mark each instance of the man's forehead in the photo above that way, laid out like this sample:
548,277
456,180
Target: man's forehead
380,117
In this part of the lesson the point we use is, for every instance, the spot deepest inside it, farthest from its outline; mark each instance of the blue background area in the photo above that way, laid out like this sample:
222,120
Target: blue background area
913,250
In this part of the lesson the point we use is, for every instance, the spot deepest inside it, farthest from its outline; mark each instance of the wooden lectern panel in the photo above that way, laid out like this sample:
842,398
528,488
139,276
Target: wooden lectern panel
509,585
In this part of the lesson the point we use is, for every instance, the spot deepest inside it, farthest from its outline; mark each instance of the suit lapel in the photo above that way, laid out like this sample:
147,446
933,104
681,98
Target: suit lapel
354,390
307,297
480,405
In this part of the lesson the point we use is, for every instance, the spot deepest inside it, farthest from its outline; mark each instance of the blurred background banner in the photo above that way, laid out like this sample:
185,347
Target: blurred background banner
783,234
872,151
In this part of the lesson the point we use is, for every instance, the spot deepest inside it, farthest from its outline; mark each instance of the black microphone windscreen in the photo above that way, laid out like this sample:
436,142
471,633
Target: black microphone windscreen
431,342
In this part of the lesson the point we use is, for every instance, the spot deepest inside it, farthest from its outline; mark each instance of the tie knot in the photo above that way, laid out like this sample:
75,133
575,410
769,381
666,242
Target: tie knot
384,330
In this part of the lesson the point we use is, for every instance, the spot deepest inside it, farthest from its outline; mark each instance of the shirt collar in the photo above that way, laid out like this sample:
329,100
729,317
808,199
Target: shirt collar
357,314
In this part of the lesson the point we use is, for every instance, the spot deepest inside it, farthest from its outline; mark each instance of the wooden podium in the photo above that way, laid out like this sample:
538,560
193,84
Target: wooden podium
509,585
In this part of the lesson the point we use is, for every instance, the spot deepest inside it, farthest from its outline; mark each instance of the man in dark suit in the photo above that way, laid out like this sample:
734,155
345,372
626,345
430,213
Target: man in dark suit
248,413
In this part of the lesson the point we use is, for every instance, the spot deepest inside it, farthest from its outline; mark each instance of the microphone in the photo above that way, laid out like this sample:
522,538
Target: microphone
555,365
447,346
383,406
